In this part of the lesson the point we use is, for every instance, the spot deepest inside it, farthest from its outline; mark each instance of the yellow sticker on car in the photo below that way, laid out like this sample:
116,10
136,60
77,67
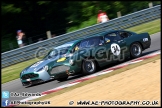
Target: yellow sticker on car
61,59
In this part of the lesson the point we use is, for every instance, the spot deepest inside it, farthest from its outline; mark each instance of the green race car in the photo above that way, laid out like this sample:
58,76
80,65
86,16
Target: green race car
85,55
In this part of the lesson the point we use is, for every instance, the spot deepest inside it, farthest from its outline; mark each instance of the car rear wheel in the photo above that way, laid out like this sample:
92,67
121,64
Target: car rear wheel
135,50
62,78
89,67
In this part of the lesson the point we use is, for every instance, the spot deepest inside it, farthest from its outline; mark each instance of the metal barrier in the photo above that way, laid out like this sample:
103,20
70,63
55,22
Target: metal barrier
28,52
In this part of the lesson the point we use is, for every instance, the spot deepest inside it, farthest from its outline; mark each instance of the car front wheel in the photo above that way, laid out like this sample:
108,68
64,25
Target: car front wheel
136,50
89,67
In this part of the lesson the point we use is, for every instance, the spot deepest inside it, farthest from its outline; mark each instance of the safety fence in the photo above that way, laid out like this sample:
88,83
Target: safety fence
28,52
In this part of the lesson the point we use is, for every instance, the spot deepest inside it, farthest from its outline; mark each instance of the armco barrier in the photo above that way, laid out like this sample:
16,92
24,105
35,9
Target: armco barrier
28,52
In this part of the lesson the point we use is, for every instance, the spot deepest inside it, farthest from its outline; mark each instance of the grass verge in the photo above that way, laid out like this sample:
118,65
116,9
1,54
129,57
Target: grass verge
13,72
150,27
153,60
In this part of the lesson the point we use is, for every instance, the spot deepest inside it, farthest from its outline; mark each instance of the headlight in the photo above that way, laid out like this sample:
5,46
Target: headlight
22,72
45,68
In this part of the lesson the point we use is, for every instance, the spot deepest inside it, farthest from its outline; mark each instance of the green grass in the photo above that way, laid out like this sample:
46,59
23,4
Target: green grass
13,72
150,27
131,66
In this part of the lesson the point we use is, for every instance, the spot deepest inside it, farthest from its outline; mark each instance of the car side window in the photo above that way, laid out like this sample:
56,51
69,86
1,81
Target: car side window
125,34
95,41
112,37
83,44
101,40
92,42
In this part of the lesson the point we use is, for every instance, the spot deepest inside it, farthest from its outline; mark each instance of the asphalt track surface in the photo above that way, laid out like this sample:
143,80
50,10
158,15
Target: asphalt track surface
16,86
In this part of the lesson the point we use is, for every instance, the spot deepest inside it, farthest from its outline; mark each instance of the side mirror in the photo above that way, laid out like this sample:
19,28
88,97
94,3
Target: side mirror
108,41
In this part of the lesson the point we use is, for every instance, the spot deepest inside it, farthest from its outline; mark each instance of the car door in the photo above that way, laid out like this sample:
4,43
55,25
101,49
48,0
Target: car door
99,50
116,47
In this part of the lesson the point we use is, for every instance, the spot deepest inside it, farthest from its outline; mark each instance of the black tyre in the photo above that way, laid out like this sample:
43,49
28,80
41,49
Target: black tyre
88,67
135,50
62,78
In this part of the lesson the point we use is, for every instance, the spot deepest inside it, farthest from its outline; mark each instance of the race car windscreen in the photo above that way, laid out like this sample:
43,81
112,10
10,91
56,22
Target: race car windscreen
58,52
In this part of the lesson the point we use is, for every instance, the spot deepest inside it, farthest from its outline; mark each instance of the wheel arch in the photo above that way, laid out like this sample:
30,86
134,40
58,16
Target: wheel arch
136,42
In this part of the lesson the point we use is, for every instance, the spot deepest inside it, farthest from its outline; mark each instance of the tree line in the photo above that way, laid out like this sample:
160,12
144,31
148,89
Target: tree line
37,17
